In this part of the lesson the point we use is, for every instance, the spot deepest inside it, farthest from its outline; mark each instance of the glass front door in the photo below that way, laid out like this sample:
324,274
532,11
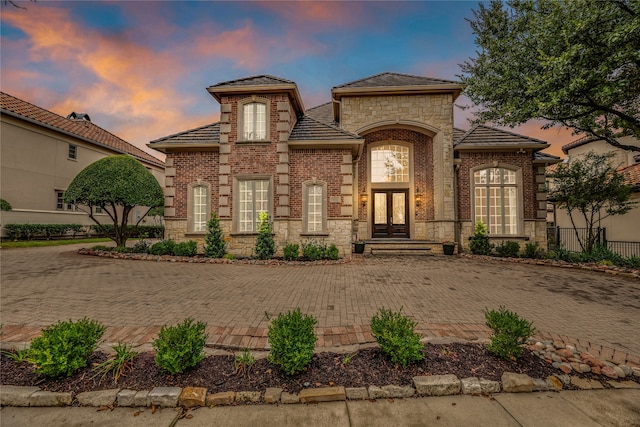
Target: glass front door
390,213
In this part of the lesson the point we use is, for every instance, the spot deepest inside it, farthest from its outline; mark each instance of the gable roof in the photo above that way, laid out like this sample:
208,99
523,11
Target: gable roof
78,128
482,136
457,135
203,137
263,83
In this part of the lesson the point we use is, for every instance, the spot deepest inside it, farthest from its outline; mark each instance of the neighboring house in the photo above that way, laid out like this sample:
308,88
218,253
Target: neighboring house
381,162
41,153
622,228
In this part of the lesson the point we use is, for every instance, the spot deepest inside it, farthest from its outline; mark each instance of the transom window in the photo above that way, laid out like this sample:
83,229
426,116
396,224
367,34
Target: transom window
496,199
200,208
390,163
255,122
254,198
73,152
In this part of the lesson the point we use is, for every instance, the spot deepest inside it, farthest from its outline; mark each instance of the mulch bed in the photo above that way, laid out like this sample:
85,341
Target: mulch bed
216,373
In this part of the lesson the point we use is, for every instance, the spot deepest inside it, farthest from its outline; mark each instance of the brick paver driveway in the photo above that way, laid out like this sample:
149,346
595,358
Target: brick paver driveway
43,285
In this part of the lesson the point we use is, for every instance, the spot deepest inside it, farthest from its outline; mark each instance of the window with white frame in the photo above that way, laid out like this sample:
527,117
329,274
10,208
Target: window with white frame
253,198
314,206
60,200
200,211
496,200
255,122
73,152
390,163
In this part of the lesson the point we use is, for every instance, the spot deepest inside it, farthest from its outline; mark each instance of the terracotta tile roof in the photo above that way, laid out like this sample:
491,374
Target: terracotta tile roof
632,175
204,134
394,79
82,129
482,136
309,129
577,143
261,80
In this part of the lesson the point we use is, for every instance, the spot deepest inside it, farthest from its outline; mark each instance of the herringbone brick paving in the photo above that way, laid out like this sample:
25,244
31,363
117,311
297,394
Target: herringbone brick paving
447,296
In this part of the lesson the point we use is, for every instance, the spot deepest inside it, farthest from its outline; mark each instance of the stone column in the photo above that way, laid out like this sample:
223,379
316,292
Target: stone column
224,189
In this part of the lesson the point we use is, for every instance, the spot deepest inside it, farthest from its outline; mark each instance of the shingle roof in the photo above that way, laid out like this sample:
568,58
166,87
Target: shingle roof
539,156
82,129
482,136
322,113
260,80
394,79
204,134
309,129
457,135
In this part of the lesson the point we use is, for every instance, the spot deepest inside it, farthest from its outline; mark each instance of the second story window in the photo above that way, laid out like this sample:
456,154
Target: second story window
255,122
73,152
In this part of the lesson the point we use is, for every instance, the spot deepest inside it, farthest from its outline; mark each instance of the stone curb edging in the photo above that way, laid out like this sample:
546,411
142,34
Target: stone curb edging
632,273
204,260
190,397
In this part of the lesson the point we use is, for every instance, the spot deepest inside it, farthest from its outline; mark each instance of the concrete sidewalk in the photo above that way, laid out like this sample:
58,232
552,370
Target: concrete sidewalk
566,408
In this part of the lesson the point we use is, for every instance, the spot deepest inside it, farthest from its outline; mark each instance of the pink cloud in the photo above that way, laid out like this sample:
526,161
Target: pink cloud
315,15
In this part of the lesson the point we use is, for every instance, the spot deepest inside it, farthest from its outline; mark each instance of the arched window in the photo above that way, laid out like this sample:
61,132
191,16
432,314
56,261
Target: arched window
496,199
255,122
390,163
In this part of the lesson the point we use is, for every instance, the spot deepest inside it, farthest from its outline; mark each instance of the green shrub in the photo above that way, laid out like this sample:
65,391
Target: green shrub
229,256
188,248
122,249
265,246
101,248
214,244
533,251
4,205
396,336
291,251
292,341
508,249
65,347
163,247
153,231
631,262
332,252
510,333
18,356
142,246
118,363
312,251
244,362
479,243
42,231
180,347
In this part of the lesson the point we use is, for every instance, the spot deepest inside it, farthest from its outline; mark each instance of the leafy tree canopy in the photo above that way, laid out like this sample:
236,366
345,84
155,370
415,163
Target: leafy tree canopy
590,188
117,184
571,63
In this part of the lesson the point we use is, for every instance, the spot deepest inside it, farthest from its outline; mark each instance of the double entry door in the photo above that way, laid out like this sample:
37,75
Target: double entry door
390,214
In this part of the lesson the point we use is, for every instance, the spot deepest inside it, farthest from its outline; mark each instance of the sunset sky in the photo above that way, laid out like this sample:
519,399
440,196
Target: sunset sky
140,68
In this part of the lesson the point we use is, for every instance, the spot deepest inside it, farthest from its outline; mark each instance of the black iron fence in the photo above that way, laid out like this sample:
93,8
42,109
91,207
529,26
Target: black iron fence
567,239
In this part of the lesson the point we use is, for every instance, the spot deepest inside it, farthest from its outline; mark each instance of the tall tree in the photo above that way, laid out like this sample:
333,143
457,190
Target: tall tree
590,188
571,63
116,184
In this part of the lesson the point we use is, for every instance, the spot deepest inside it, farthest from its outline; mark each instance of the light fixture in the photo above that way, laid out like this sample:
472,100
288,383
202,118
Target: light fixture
364,198
418,199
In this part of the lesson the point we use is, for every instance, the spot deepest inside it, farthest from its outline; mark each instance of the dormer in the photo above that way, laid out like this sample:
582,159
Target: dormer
258,107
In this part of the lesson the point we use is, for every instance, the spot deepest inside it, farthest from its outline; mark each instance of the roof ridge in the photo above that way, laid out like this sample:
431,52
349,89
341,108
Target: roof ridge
413,76
318,106
257,76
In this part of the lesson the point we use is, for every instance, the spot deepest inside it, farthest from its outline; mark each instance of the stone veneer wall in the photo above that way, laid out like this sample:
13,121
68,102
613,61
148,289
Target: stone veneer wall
433,113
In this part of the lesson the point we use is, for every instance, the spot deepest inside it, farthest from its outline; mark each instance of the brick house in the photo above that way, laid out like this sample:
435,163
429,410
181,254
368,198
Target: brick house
381,162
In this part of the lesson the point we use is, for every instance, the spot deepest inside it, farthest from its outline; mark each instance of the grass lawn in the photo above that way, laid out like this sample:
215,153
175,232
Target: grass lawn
37,243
